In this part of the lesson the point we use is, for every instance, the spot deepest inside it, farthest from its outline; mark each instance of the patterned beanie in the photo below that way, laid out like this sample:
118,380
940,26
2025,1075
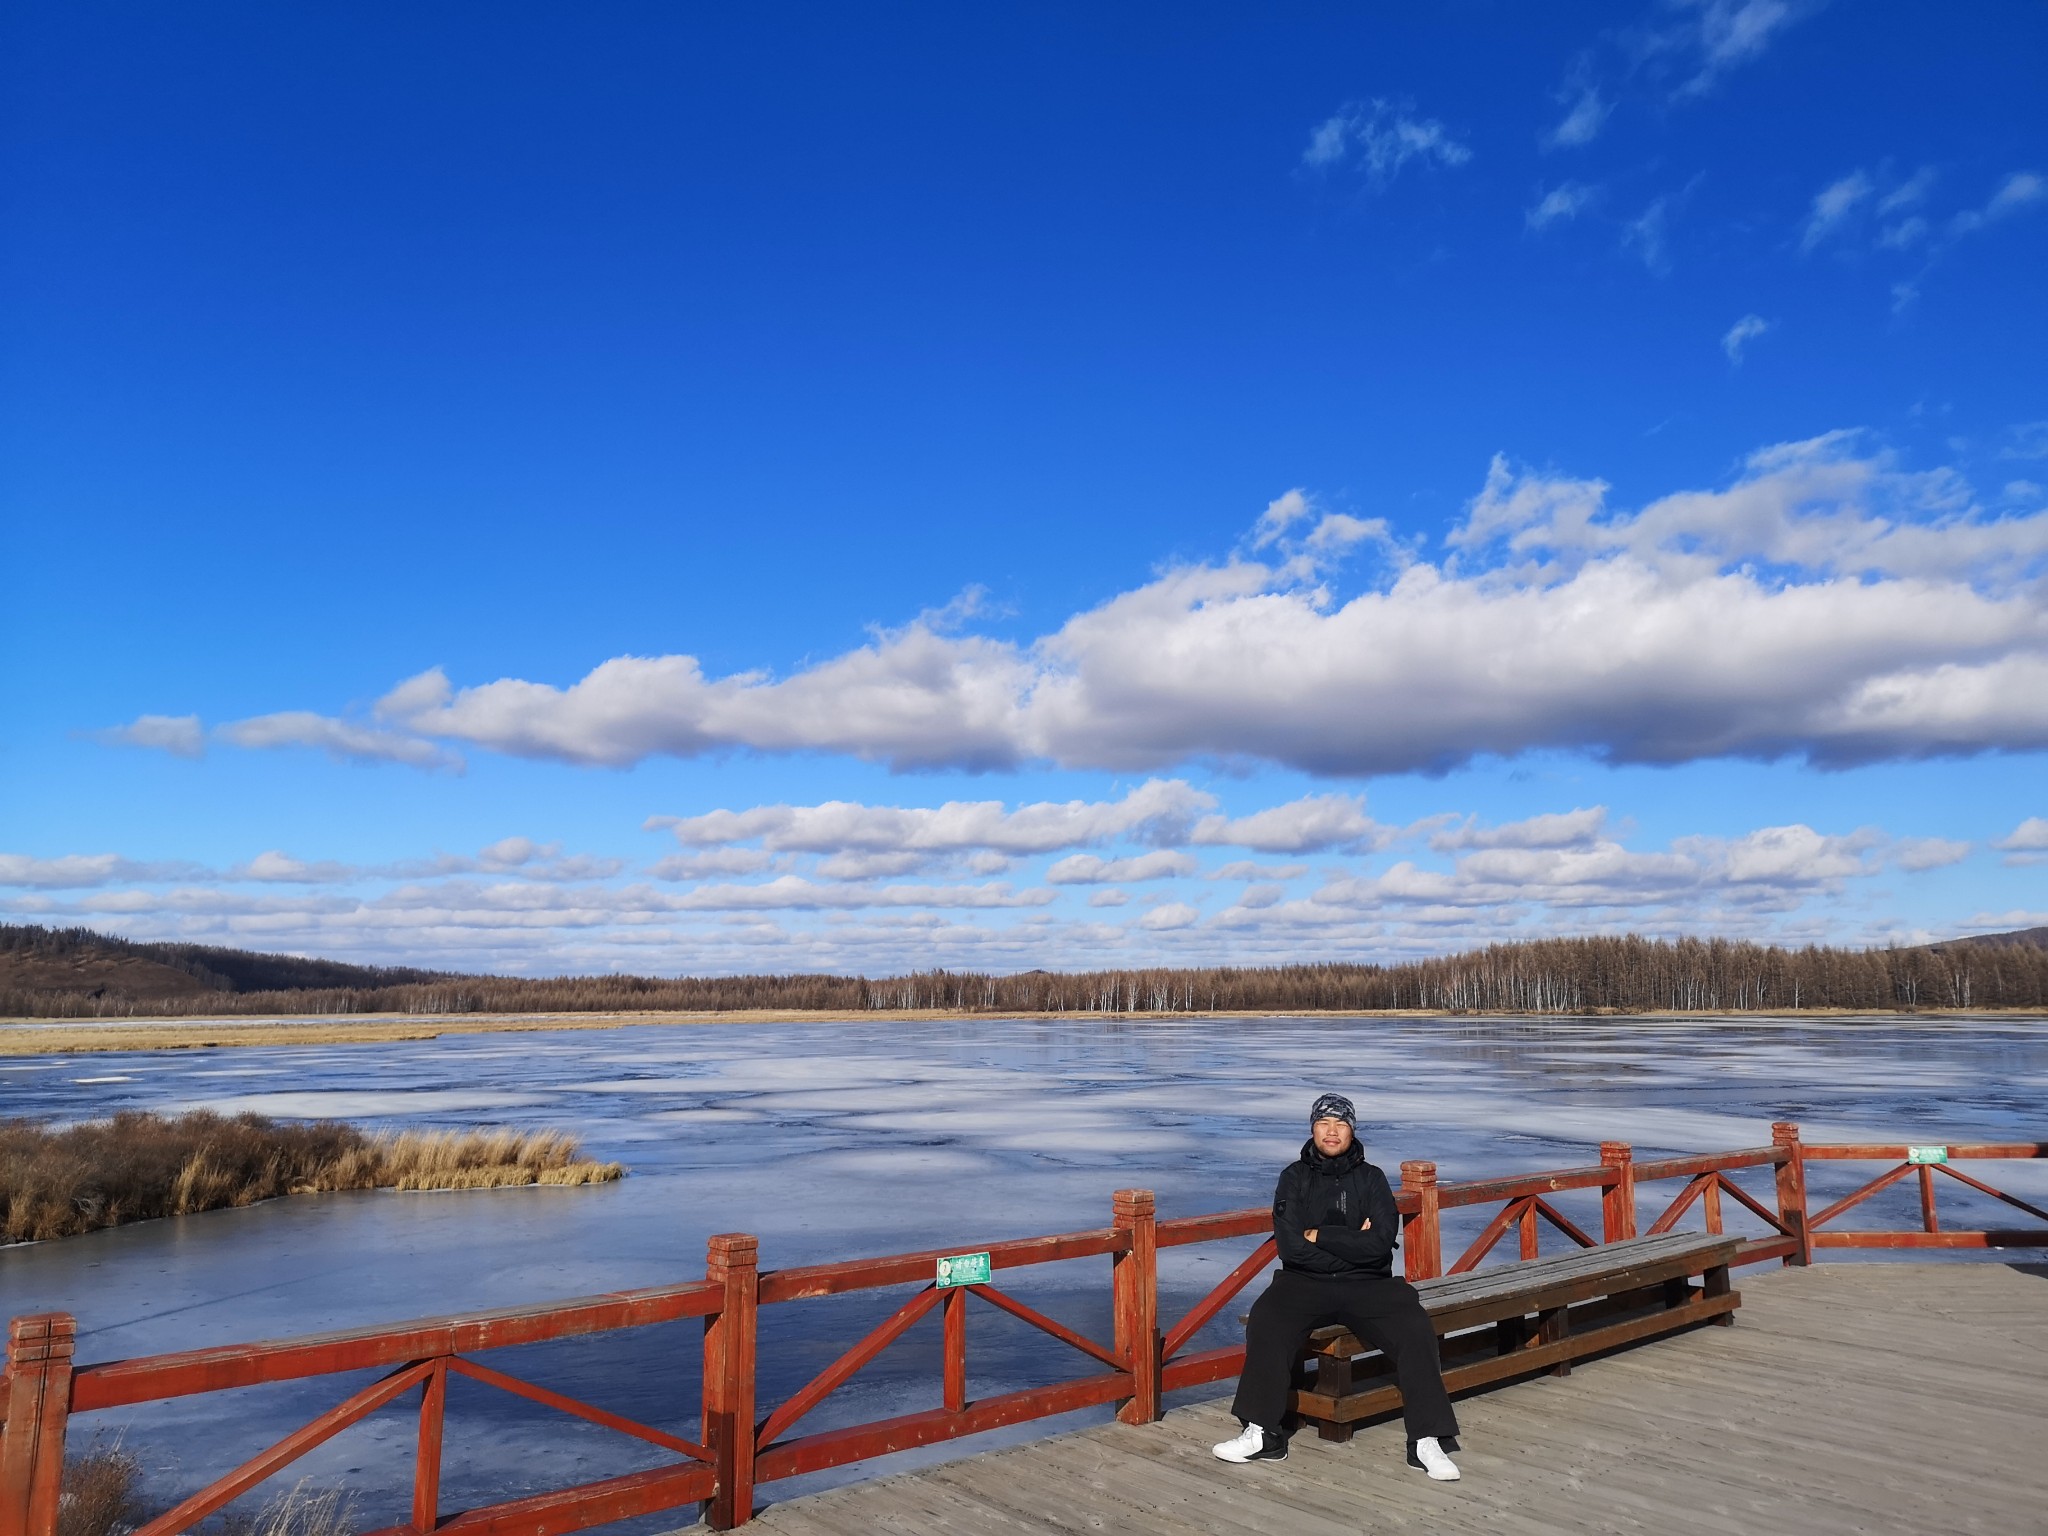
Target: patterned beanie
1333,1106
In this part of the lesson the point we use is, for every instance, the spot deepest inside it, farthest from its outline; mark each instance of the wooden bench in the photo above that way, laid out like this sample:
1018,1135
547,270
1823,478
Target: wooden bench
1544,1313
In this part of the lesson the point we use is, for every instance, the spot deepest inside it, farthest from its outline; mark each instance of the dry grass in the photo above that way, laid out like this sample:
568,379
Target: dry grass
99,1495
136,1166
299,1511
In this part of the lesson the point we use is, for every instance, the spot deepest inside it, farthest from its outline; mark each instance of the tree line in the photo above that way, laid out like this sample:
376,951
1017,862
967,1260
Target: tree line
1627,974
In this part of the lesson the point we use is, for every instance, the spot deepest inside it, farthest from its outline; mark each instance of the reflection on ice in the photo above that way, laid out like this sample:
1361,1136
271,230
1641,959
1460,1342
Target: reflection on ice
869,1137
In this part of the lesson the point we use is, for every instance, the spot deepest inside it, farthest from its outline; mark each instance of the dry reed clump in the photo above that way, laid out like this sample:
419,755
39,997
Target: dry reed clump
484,1159
99,1495
299,1511
103,1173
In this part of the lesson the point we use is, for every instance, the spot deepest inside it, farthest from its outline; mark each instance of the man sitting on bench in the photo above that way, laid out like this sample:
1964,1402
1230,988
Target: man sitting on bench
1336,1224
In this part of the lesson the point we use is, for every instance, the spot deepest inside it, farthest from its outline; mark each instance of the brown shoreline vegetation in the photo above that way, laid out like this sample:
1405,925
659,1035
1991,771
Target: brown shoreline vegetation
101,1495
62,1182
76,974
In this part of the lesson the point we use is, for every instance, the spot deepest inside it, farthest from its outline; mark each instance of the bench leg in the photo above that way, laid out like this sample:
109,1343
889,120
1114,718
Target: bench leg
1677,1292
1716,1284
1510,1334
1554,1327
1334,1377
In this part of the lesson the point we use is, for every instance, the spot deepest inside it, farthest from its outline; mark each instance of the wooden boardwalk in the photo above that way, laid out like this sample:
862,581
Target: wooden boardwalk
1893,1398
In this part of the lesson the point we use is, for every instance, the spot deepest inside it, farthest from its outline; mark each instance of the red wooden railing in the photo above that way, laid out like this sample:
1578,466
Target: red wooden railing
41,1387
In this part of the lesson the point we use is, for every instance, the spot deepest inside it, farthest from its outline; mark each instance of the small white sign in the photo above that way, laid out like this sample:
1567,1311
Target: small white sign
1927,1154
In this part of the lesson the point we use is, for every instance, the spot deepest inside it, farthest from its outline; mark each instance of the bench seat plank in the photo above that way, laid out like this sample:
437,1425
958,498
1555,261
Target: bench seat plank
1622,1292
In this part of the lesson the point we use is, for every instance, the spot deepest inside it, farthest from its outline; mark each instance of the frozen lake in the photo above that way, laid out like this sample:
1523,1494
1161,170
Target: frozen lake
836,1140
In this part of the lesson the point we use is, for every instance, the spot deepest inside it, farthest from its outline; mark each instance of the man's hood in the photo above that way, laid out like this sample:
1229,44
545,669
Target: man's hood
1330,1167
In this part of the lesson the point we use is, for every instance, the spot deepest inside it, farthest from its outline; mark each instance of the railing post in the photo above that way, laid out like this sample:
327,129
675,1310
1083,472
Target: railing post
37,1407
1422,1256
1136,1282
426,1471
1618,1200
953,1313
732,1262
1792,1189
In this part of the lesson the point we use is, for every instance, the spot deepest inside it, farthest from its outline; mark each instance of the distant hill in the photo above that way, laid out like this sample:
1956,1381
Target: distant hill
2030,938
80,963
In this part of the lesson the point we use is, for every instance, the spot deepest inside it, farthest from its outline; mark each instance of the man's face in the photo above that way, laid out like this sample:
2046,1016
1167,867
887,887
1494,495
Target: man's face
1332,1136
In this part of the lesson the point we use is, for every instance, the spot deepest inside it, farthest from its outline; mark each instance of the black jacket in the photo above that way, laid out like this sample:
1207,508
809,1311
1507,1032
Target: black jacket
1333,1196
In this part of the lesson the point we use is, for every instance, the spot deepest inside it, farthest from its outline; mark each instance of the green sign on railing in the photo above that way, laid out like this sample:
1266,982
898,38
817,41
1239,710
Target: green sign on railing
963,1269
1927,1154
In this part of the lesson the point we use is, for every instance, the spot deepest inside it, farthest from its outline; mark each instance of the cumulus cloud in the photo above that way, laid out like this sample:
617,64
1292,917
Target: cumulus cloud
1561,829
1158,810
1826,603
1915,854
1091,869
1174,914
83,871
1245,869
179,735
1566,200
1311,824
1741,334
2027,843
712,863
1379,138
343,740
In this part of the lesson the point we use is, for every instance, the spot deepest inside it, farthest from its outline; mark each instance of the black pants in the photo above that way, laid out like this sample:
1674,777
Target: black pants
1386,1314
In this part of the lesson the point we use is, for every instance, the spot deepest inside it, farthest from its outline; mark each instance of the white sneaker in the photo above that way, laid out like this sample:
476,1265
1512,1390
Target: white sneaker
1431,1457
1257,1444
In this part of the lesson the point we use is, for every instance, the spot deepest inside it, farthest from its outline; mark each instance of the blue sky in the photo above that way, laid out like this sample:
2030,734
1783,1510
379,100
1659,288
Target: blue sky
678,489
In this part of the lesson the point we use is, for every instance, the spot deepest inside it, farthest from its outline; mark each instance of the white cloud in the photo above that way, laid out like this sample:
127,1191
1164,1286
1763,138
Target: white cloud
1109,898
83,871
1649,234
1721,35
1566,200
1741,334
276,867
1158,810
1583,119
1090,869
1245,869
1832,206
1311,824
2027,843
1380,137
1915,854
1826,604
793,892
2020,190
873,866
1910,193
343,740
179,735
1175,914
1560,829
2026,440
712,863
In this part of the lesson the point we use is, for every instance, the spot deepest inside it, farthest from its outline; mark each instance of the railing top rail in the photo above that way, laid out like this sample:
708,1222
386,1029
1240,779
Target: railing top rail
1845,1151
1484,1191
1253,1221
149,1378
811,1280
1693,1164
